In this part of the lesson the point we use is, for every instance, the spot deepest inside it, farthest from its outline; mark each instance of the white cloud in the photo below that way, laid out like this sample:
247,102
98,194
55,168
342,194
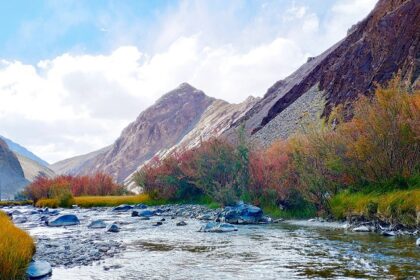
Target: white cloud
73,104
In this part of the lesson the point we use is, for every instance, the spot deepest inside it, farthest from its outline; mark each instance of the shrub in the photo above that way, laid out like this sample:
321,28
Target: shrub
16,250
63,187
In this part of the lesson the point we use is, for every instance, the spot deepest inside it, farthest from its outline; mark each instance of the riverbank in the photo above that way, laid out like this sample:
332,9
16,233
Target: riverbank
16,250
398,209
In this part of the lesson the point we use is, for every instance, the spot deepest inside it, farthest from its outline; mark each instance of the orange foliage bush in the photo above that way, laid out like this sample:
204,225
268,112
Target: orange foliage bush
98,184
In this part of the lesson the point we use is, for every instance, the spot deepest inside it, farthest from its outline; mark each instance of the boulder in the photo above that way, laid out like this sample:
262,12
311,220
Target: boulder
218,227
243,214
64,220
157,224
38,269
145,213
20,220
362,229
140,206
113,228
97,224
134,214
181,223
123,208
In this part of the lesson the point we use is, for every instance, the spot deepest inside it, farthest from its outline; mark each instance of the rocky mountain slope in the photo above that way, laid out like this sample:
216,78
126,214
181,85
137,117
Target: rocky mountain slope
18,149
33,169
71,166
12,178
179,120
385,43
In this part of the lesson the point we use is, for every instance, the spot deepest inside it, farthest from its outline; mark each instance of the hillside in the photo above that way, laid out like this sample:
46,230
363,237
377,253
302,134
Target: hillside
18,149
12,178
385,43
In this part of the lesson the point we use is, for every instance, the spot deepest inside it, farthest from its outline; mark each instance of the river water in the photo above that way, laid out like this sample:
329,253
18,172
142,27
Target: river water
289,250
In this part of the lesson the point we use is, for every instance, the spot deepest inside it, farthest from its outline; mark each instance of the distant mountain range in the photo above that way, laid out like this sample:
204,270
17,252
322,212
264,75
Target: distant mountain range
385,43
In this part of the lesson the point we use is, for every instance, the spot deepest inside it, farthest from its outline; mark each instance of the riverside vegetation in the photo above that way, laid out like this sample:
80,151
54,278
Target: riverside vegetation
368,166
16,250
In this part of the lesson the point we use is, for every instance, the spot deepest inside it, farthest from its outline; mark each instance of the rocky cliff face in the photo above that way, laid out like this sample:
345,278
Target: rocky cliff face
12,178
380,46
177,121
159,127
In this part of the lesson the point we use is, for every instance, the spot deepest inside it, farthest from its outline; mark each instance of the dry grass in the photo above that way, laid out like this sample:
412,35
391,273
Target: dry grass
16,250
99,201
397,206
16,203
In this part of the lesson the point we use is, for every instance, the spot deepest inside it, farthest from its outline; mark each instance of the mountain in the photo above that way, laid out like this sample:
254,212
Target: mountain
72,166
178,120
12,178
23,151
385,43
33,169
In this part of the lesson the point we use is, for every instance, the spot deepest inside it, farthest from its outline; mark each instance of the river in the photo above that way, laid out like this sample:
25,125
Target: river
288,250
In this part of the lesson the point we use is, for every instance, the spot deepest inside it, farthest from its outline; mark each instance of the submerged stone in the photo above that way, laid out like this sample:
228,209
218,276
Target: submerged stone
64,220
38,269
123,208
97,224
218,227
113,228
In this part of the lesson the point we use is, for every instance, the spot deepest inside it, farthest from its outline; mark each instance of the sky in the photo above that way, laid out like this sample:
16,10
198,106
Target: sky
74,73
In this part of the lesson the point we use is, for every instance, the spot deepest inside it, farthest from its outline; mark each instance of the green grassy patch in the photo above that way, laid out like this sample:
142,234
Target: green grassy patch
393,207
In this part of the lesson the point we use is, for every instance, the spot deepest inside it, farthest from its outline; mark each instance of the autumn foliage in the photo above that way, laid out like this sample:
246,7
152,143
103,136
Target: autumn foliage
379,146
66,185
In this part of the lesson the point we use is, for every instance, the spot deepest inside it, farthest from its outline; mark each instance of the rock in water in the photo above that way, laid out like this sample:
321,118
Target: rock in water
140,206
361,229
146,213
218,227
64,220
418,242
243,214
134,214
113,228
157,224
181,223
389,233
122,208
97,224
38,269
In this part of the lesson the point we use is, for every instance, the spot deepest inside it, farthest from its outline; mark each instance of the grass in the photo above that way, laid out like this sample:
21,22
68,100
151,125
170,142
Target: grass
16,203
393,207
16,250
101,201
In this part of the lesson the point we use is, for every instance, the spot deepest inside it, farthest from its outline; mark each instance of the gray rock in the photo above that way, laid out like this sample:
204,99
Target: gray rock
389,233
64,220
113,228
157,224
123,208
181,223
97,224
418,242
20,220
146,213
218,227
38,269
243,214
362,229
